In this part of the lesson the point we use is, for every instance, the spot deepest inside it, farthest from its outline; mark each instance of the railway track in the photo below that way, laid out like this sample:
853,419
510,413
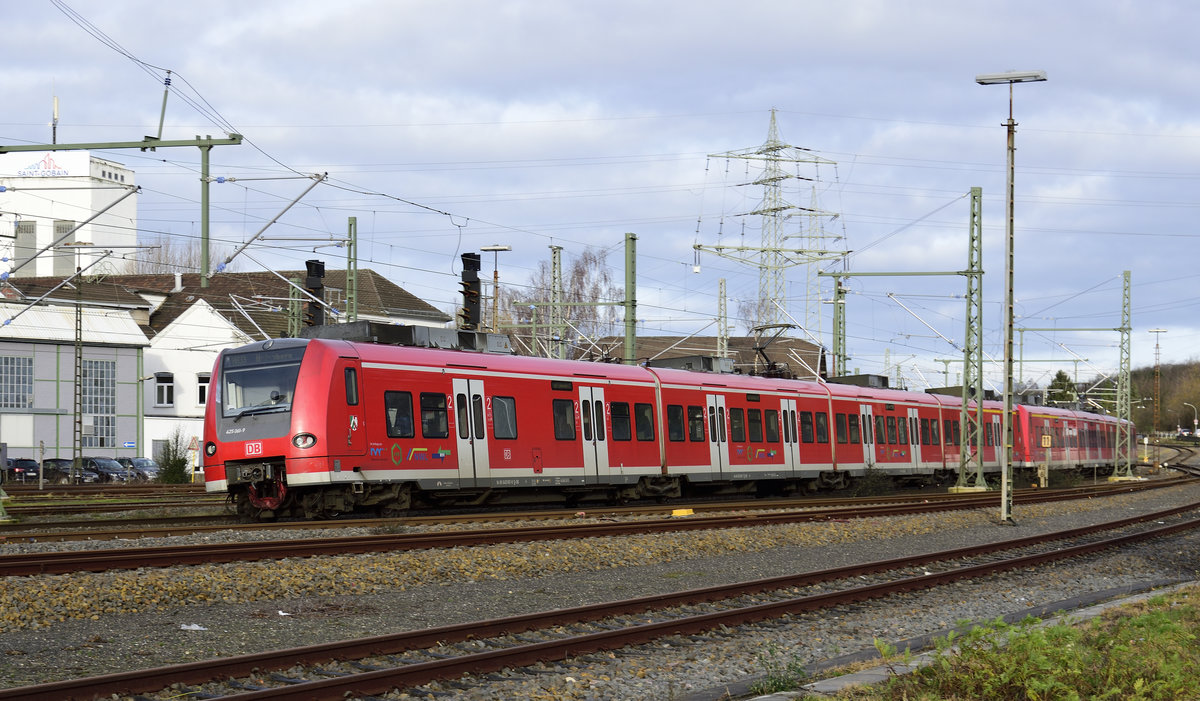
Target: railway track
380,664
127,528
65,562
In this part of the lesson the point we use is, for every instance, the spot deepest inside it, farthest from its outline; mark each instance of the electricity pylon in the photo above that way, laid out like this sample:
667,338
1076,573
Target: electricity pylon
772,258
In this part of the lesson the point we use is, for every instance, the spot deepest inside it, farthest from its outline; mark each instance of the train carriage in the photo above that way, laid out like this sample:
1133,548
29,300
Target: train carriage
317,427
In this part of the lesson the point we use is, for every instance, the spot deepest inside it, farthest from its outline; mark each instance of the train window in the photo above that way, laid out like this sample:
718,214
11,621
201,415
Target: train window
721,422
822,427
771,424
477,415
867,433
754,425
643,418
957,432
839,428
934,437
504,417
585,413
806,427
924,431
464,425
434,423
891,430
737,425
675,428
564,419
599,419
351,386
620,421
901,430
852,421
880,431
398,414
695,423
949,432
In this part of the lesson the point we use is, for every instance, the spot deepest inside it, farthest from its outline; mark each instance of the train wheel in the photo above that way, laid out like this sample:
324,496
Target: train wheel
399,505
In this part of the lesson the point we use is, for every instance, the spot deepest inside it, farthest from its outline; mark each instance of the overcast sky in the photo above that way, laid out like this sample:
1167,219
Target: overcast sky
445,126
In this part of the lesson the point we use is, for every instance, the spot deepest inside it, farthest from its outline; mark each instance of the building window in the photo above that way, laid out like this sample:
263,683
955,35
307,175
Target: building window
164,389
202,387
64,260
99,406
16,382
25,244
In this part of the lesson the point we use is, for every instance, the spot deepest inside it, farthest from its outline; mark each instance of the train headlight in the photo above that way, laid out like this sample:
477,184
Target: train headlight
304,440
210,449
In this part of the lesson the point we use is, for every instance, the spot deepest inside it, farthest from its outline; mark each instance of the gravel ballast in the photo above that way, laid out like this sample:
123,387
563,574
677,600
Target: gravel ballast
68,626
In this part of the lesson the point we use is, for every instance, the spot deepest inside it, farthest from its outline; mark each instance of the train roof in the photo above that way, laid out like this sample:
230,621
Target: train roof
615,372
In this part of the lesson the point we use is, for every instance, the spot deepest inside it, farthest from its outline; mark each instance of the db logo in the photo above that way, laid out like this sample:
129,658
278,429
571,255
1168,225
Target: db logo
254,449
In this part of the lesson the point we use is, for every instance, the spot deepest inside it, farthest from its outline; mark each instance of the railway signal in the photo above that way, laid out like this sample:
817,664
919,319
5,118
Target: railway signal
469,317
314,284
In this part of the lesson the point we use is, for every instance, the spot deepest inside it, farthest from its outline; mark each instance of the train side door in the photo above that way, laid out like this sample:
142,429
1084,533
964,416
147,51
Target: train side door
595,437
791,442
914,435
350,409
470,418
868,434
718,439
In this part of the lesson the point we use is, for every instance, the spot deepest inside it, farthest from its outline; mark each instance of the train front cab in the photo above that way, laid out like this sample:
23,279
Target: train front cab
248,421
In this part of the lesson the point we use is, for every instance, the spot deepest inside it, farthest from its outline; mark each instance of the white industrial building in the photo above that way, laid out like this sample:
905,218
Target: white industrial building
44,195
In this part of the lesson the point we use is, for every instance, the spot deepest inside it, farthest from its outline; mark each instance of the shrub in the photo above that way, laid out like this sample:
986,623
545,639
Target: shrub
174,459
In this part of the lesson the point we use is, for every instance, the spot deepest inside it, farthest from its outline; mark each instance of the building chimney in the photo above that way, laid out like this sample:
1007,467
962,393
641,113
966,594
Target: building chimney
178,283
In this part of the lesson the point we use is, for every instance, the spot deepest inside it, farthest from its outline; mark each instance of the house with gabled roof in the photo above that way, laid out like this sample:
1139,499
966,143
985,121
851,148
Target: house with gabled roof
148,347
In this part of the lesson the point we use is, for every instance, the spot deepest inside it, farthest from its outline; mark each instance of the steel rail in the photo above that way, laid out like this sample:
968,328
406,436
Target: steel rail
181,525
65,562
145,681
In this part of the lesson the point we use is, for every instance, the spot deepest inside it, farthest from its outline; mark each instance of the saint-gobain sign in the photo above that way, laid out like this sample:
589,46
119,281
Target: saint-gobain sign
45,164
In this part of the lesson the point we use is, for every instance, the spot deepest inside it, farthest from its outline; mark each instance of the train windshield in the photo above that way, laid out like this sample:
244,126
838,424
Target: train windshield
260,382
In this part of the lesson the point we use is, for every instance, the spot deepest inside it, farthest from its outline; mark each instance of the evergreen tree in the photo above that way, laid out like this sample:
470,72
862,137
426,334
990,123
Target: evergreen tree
1061,391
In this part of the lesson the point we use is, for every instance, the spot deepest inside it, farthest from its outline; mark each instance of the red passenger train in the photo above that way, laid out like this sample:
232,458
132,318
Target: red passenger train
318,427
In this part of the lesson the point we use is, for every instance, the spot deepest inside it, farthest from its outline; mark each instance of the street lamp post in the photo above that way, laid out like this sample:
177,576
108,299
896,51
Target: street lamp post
1195,420
1006,425
495,279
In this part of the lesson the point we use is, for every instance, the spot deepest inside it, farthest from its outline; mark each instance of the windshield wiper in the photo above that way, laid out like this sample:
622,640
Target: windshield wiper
261,409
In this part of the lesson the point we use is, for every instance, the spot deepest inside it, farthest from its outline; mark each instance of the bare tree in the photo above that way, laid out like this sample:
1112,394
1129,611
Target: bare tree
176,254
586,281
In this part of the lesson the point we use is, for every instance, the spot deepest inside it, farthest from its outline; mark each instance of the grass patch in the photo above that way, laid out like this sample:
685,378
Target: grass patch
781,673
1146,650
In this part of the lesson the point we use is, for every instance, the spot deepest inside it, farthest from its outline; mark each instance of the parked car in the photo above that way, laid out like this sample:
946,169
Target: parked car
58,471
109,470
145,468
21,470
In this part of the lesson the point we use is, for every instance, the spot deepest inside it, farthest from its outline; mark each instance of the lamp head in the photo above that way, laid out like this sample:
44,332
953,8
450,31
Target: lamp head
1011,77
